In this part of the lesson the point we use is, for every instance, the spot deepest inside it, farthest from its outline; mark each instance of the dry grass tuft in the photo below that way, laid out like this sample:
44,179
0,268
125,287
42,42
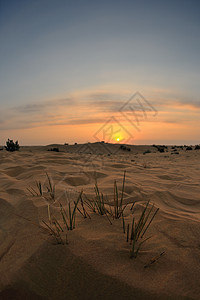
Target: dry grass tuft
65,221
139,229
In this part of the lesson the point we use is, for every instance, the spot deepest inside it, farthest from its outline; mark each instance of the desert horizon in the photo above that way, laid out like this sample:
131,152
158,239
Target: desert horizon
100,142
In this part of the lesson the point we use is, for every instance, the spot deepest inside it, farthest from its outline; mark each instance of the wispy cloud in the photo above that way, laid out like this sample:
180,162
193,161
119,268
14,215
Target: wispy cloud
46,105
93,107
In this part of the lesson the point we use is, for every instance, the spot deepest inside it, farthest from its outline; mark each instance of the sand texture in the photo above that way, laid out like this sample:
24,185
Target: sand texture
95,264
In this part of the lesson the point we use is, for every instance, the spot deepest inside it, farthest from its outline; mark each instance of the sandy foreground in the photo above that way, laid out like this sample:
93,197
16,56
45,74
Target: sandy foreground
95,263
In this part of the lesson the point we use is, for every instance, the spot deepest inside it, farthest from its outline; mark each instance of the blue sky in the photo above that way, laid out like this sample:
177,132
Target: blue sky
80,52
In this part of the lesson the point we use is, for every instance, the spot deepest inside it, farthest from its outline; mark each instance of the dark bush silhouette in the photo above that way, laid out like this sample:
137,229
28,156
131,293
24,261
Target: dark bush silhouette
188,148
160,148
54,149
11,146
175,152
147,151
122,147
197,147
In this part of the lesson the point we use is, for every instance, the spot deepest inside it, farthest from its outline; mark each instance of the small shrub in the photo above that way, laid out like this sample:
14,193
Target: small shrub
54,149
188,148
122,147
161,149
11,146
197,147
175,152
147,151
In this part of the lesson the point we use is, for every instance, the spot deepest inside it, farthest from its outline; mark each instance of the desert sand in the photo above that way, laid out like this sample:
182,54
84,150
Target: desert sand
95,262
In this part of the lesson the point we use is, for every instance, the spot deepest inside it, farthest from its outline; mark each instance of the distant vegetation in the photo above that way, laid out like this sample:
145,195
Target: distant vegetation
147,151
122,147
160,148
11,146
188,148
54,149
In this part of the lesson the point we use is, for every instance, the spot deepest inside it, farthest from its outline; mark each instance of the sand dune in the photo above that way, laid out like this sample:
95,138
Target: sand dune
95,263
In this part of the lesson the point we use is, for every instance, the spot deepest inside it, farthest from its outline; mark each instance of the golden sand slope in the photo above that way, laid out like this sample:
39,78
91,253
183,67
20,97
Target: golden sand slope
96,263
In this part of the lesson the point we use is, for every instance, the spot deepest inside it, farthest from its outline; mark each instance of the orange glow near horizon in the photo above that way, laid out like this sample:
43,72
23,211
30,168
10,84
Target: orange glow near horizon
84,120
150,132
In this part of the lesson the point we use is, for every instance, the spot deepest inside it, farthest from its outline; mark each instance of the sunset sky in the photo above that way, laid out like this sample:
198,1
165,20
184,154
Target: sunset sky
69,71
